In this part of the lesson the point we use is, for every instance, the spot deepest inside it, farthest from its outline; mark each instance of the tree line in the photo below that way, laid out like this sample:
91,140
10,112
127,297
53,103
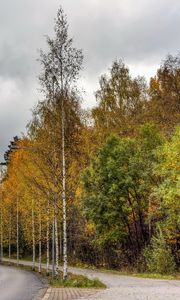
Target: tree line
98,186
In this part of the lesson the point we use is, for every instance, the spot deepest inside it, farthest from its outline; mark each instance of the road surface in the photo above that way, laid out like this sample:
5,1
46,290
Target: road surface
128,288
16,284
133,288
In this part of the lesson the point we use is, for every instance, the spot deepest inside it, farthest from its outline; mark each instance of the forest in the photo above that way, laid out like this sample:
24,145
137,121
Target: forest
101,186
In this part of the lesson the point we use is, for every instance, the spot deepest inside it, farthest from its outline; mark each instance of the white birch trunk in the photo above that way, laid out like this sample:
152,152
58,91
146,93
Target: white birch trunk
10,233
33,238
60,243
40,253
53,248
65,263
17,223
47,250
57,246
47,241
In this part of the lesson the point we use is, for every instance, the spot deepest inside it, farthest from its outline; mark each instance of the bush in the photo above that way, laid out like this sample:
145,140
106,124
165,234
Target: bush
158,257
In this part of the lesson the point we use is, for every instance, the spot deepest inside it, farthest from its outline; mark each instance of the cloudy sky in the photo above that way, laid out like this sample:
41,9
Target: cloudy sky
141,32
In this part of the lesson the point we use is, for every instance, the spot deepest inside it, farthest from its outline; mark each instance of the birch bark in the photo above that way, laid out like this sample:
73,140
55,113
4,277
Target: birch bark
40,243
10,233
17,228
33,238
47,240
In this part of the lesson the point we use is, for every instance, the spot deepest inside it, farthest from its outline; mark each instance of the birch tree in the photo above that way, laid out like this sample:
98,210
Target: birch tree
61,66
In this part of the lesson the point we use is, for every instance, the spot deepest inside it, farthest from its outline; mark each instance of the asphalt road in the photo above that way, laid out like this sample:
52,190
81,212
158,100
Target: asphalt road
125,287
16,284
133,288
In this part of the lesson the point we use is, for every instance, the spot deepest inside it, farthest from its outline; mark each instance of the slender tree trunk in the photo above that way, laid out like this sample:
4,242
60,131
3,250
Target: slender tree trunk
57,246
149,222
33,238
47,250
1,233
17,223
65,262
40,253
140,217
60,243
53,248
10,233
135,225
55,227
47,241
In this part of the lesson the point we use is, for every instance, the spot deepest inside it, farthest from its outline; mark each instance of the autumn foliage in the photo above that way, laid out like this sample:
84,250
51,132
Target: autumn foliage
122,168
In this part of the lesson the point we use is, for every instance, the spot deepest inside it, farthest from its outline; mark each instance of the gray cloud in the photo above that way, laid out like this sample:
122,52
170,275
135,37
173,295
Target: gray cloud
142,32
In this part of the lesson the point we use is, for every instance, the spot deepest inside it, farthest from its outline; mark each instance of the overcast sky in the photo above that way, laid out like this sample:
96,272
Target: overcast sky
142,32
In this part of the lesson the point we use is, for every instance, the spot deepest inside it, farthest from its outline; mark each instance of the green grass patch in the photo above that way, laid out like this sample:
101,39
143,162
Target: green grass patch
82,281
78,281
129,272
157,276
73,280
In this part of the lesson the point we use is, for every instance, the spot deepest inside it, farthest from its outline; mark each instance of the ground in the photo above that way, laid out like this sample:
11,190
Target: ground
16,284
119,288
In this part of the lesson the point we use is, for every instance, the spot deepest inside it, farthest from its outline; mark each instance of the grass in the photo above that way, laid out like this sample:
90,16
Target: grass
130,272
72,281
175,276
157,276
78,281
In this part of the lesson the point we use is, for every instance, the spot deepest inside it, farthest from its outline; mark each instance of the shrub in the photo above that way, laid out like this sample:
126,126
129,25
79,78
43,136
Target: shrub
158,256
